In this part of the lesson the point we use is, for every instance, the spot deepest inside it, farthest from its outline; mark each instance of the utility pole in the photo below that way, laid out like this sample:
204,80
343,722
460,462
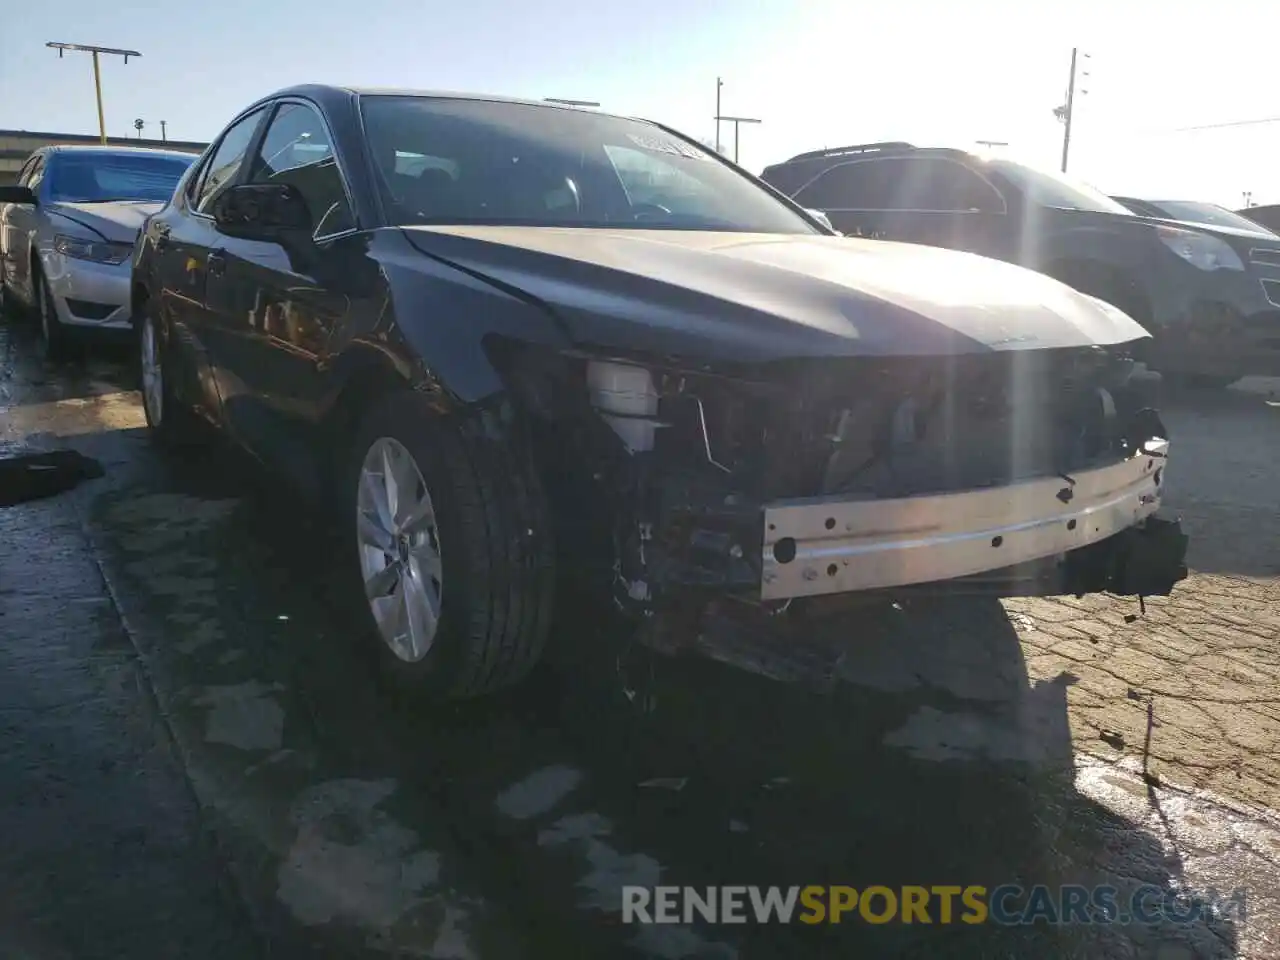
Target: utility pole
719,84
163,134
97,75
1066,113
735,121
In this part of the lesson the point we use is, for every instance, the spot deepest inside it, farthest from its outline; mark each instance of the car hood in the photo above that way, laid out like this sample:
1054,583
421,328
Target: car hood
740,296
1226,233
118,220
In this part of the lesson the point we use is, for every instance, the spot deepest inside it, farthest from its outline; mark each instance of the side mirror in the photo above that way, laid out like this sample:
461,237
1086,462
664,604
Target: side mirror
262,211
17,195
821,217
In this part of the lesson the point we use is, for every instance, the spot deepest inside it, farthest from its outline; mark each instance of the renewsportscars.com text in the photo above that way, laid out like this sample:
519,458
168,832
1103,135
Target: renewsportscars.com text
1008,905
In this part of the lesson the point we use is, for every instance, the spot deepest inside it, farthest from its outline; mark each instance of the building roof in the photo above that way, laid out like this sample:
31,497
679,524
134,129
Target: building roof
181,146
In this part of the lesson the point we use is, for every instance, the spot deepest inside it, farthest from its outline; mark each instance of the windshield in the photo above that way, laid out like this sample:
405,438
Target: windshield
1054,189
99,177
455,161
1208,213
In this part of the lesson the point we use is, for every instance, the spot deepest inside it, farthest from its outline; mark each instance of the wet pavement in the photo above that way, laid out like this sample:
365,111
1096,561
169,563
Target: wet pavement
198,761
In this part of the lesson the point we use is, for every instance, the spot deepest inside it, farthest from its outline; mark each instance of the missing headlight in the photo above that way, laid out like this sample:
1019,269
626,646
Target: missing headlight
627,399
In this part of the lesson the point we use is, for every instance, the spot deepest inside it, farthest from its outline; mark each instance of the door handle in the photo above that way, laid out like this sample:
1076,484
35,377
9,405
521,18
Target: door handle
217,263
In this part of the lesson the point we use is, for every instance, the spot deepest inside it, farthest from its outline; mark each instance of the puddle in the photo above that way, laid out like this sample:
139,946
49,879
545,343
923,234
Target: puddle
245,716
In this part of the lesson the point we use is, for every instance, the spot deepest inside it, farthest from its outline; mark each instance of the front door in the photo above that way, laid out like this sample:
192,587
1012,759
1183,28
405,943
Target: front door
188,244
852,195
277,303
942,202
18,222
929,200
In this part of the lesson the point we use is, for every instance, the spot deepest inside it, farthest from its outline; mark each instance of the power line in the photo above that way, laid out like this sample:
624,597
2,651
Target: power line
1229,123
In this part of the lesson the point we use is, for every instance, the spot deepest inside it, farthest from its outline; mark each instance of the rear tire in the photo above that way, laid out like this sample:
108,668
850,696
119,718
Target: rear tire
468,533
1198,381
170,423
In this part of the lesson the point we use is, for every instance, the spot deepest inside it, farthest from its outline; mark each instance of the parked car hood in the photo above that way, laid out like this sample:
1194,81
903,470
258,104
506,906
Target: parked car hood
739,296
1227,233
118,220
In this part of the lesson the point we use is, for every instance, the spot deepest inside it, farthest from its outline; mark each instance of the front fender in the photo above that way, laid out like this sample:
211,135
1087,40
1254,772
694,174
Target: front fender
449,320
1133,252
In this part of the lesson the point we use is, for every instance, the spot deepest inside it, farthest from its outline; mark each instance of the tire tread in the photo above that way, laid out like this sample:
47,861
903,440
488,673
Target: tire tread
501,511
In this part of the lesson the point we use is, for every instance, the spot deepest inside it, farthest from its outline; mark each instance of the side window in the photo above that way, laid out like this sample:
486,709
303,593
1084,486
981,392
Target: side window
28,168
857,185
36,174
296,150
936,184
222,166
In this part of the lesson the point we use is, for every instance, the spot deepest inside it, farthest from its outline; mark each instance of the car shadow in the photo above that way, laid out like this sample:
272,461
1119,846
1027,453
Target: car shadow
915,752
1224,457
101,363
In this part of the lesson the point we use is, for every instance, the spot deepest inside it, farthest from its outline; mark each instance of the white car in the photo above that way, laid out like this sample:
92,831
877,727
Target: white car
67,231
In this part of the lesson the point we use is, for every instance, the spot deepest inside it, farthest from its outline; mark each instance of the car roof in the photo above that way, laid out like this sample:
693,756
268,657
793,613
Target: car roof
327,94
115,151
867,151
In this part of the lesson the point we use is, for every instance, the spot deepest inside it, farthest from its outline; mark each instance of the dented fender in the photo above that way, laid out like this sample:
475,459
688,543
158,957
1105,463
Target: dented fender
451,345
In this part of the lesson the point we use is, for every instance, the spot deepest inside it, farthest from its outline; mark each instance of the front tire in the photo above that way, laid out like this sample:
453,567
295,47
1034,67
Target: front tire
451,557
55,338
8,306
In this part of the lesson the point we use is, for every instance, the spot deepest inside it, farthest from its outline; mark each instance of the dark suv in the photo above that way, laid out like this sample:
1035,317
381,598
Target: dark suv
1211,301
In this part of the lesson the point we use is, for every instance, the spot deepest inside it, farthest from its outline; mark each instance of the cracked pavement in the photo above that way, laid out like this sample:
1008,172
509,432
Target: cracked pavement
198,762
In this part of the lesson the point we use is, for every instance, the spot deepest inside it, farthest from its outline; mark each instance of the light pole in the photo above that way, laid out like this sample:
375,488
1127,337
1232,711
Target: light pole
163,134
97,75
736,121
571,103
719,84
1066,112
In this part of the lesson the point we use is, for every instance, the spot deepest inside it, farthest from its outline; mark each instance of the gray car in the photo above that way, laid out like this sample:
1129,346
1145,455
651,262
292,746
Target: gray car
67,231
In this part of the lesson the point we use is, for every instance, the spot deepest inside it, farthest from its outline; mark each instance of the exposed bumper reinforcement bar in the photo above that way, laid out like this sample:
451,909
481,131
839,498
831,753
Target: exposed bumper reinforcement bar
827,545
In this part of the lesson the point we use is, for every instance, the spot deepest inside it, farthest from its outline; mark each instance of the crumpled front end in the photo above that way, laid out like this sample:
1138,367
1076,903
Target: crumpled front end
1013,473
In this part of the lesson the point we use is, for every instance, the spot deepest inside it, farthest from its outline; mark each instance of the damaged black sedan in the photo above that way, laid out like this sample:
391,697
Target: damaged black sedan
498,338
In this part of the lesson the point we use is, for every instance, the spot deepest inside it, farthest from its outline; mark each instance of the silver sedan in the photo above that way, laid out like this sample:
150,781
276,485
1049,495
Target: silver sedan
67,231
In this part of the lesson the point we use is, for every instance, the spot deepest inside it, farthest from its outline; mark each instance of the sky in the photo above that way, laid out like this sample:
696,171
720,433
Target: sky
815,72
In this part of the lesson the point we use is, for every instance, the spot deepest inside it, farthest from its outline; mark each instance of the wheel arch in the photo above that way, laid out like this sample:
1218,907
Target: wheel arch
139,294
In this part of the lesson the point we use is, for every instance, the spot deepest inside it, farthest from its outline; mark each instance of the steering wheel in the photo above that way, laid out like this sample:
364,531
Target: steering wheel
649,211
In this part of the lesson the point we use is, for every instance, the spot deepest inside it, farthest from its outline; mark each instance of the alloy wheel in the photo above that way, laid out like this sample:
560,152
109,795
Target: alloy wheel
399,547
